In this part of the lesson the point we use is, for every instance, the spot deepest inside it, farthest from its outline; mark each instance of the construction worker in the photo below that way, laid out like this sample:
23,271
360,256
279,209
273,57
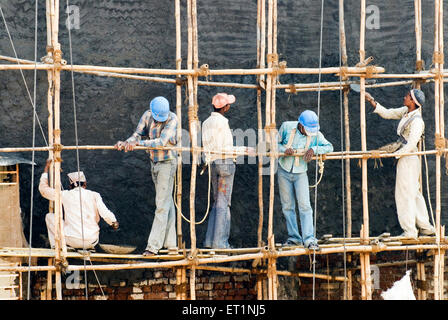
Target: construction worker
79,233
298,137
160,125
216,136
411,207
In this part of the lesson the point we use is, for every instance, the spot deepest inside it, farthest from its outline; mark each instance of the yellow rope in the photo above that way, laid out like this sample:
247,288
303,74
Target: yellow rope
208,201
321,171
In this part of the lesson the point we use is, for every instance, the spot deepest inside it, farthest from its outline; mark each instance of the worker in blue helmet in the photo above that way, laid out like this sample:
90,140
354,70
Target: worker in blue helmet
159,125
411,207
299,141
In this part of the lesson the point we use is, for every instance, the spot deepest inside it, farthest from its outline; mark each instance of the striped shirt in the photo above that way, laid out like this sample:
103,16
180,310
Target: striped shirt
161,134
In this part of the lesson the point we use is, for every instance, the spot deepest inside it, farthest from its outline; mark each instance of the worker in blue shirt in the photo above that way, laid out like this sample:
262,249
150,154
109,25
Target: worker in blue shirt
303,138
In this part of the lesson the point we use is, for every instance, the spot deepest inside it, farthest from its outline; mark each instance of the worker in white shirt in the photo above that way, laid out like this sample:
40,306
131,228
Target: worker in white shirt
216,136
411,207
93,208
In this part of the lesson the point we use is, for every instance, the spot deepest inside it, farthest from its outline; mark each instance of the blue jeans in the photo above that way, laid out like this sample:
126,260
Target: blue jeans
163,230
292,186
218,229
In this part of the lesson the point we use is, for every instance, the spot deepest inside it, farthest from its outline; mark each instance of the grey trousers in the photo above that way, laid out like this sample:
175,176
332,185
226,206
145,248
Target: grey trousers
163,230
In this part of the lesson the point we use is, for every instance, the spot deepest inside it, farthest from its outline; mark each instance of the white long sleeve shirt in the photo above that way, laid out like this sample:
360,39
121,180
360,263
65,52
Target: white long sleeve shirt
93,208
216,136
414,130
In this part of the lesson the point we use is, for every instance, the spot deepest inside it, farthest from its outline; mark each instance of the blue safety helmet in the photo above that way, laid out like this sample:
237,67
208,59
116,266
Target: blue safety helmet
160,108
309,120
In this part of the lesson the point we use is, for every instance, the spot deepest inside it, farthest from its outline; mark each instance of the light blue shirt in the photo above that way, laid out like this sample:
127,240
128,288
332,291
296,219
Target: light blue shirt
318,143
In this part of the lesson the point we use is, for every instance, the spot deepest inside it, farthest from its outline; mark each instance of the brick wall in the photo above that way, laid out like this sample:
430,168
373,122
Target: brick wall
153,285
161,283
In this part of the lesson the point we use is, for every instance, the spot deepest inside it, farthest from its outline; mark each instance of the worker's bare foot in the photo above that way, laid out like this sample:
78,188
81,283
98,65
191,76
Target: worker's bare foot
148,253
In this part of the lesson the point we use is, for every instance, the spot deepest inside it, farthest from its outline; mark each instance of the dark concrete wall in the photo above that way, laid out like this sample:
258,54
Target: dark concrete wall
142,34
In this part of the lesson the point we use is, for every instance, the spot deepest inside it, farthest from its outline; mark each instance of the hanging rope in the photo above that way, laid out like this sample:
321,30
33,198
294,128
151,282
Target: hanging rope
77,159
321,170
318,116
33,153
342,164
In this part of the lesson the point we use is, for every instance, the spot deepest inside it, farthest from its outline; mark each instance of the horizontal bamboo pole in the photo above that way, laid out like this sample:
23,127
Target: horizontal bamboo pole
186,72
338,86
222,259
279,272
328,156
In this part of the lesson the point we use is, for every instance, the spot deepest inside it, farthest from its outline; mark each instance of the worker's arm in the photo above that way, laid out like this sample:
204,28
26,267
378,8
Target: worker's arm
141,130
281,139
103,211
45,190
168,134
392,113
416,130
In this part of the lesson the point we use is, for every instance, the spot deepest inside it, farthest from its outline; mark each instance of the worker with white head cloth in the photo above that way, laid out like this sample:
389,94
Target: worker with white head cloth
298,137
411,207
78,234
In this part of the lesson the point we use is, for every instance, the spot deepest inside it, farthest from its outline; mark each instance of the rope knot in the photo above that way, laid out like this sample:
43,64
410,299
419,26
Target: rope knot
57,147
419,64
370,70
181,81
438,57
292,89
203,71
344,73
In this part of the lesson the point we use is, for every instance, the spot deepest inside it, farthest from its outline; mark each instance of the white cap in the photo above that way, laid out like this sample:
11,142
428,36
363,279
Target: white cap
74,177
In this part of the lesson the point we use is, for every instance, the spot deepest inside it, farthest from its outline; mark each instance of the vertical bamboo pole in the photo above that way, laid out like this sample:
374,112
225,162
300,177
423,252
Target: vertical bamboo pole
442,134
59,234
50,131
269,126
273,138
441,65
179,140
348,183
260,63
261,46
49,280
50,102
421,276
437,276
179,124
365,257
418,67
344,58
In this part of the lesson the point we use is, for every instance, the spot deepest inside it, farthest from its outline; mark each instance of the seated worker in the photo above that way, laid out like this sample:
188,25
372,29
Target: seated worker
299,136
93,208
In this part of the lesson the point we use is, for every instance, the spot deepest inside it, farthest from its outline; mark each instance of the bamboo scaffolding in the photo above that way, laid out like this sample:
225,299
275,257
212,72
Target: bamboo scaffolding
242,257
